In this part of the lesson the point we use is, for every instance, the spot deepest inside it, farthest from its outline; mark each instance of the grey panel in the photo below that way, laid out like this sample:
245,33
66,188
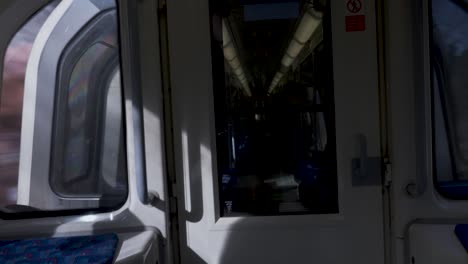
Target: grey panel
366,171
104,4
372,176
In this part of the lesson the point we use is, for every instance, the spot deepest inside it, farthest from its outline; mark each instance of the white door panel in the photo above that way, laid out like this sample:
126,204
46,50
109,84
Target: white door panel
354,233
434,243
425,212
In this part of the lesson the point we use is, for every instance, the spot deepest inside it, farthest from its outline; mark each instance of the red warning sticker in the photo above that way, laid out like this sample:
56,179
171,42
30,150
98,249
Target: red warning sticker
355,23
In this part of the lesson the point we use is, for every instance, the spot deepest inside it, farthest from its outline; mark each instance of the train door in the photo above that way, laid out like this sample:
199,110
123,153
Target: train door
426,71
75,185
275,109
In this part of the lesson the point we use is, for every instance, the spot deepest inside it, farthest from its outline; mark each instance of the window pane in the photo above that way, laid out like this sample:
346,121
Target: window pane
88,158
450,93
274,107
79,135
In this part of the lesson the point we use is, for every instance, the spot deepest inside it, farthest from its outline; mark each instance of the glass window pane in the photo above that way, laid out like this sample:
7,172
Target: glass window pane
449,51
88,158
274,108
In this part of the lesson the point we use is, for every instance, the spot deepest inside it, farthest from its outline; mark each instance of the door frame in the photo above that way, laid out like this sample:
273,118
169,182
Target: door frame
144,209
415,199
193,113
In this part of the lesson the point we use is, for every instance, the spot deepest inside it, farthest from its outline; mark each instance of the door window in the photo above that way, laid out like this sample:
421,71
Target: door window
274,107
89,154
449,51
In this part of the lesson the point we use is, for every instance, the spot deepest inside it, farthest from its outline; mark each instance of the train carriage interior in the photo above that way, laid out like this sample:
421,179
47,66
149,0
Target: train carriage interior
233,131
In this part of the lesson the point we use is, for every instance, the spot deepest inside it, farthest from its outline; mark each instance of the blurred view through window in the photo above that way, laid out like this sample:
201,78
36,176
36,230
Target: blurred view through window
11,103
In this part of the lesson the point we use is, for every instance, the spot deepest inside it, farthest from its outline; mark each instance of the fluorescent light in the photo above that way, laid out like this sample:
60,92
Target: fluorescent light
275,82
277,78
226,35
247,91
239,72
309,22
229,52
287,61
232,58
279,75
235,63
272,88
294,48
307,26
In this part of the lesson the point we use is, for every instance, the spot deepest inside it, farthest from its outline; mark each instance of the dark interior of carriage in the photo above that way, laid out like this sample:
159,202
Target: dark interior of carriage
275,123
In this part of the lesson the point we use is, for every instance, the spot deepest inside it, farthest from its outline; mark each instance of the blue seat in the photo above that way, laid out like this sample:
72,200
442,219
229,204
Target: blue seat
461,231
98,249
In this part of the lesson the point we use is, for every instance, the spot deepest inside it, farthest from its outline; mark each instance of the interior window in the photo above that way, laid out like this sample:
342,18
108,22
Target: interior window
449,50
274,108
87,156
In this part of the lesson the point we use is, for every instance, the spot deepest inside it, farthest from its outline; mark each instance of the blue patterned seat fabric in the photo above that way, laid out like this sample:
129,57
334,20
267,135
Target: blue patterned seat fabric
98,249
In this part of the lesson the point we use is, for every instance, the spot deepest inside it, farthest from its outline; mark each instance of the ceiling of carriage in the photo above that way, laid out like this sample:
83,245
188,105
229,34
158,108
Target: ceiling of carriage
262,39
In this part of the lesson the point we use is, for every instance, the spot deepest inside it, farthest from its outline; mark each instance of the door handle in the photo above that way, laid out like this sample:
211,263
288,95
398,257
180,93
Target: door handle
366,171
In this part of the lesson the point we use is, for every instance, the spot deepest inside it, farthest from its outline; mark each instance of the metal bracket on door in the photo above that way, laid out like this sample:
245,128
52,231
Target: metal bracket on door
366,171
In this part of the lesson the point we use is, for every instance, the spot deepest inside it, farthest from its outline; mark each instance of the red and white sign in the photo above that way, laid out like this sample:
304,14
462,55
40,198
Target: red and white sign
355,23
355,19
